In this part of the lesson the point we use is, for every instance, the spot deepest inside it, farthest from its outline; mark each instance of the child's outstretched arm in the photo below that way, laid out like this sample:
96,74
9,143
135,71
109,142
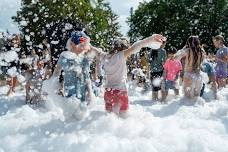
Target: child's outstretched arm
181,53
224,59
164,74
51,85
136,47
98,51
57,71
99,57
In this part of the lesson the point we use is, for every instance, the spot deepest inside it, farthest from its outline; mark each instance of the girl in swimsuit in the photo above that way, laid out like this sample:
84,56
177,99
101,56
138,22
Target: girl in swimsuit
192,80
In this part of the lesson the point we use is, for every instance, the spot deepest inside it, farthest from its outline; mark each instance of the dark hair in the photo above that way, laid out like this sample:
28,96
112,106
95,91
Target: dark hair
143,52
154,54
120,44
193,44
172,50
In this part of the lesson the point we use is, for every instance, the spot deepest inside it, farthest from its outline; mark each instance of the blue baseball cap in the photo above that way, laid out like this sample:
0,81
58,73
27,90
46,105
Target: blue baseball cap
78,37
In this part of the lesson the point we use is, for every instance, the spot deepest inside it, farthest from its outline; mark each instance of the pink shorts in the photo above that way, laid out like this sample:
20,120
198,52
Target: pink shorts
113,97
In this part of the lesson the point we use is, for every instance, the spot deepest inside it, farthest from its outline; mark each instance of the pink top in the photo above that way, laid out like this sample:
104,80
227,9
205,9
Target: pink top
172,68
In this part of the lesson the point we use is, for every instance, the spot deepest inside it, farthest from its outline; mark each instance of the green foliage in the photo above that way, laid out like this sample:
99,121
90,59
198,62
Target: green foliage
37,15
178,19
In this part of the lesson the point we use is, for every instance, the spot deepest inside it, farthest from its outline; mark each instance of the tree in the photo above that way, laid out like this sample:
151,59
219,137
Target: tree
178,19
54,19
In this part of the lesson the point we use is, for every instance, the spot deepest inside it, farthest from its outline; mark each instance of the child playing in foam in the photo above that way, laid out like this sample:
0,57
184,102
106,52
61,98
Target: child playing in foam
35,83
192,80
172,68
76,68
221,60
116,95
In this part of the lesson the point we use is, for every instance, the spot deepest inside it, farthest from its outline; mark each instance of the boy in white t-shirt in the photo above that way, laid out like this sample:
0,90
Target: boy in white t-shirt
114,62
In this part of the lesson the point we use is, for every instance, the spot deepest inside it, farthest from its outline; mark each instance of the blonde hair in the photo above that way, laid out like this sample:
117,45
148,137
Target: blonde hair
219,38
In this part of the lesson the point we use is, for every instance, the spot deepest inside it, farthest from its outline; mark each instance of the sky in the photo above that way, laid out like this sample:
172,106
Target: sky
123,11
8,9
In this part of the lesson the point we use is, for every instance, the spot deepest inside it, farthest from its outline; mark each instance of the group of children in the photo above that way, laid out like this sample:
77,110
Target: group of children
75,62
187,64
74,66
28,70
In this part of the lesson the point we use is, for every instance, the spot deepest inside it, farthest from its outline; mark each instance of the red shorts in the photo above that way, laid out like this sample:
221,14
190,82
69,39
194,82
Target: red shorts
113,97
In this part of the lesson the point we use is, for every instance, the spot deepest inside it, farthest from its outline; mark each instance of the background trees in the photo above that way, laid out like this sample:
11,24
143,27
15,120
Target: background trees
55,19
178,19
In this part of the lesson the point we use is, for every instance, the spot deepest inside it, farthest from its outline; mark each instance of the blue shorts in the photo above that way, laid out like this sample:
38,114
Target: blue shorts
75,88
4,70
170,85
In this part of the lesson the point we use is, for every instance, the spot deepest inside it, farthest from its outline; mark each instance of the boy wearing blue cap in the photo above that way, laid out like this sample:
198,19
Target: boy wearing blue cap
76,67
